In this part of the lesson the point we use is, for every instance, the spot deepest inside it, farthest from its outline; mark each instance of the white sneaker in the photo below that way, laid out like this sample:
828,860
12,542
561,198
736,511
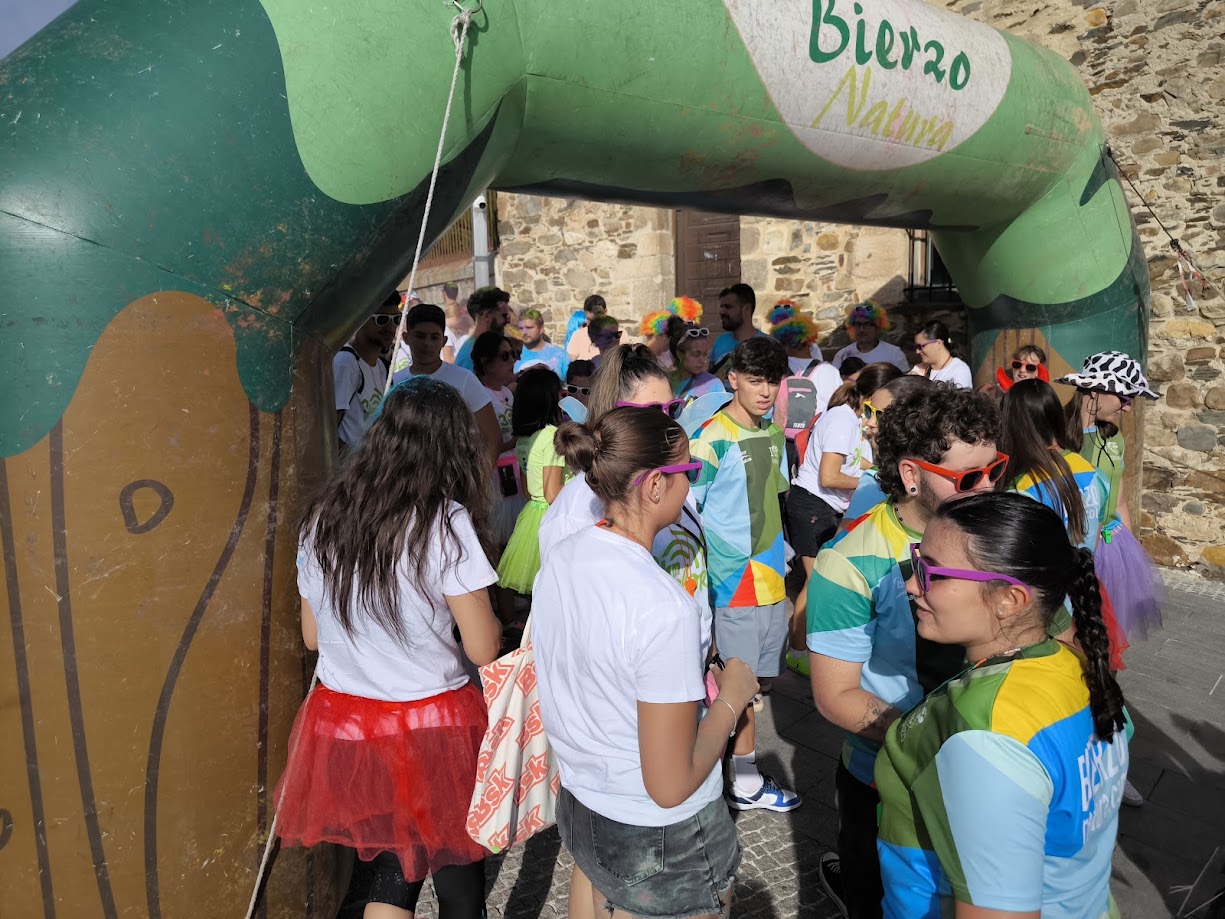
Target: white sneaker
1131,797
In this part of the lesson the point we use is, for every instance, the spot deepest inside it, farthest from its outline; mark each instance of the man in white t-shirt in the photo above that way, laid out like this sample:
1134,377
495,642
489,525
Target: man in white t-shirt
865,323
359,374
425,331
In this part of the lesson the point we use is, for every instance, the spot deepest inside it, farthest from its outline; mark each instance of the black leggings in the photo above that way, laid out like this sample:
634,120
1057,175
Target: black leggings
460,889
863,888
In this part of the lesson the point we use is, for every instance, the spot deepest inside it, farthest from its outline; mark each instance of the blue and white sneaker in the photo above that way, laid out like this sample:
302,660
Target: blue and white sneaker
771,796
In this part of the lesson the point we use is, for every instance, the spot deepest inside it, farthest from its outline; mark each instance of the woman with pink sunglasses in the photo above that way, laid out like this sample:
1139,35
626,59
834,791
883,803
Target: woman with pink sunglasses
621,657
1000,791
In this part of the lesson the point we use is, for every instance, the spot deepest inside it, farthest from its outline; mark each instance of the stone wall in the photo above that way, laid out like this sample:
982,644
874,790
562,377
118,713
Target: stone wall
825,268
557,251
1155,70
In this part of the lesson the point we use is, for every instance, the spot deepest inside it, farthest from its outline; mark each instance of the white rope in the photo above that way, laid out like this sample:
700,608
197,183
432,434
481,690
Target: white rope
263,862
459,34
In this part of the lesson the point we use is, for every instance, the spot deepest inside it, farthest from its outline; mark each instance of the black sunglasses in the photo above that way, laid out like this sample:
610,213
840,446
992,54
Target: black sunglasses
1029,368
381,319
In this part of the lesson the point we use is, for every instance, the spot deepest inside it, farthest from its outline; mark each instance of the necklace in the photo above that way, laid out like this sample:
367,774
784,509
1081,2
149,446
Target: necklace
1017,650
897,511
611,524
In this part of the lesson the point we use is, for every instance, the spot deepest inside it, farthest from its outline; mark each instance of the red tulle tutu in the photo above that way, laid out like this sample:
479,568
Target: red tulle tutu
1118,640
385,777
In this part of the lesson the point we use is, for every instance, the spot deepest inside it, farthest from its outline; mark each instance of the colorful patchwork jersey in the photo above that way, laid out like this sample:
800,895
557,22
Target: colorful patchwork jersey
743,473
858,611
996,793
1093,494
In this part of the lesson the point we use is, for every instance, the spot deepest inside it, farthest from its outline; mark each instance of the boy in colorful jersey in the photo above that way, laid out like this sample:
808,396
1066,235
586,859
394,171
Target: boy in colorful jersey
743,474
868,666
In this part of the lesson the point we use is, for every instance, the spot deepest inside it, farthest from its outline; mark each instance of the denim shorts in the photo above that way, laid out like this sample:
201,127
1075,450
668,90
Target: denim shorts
658,872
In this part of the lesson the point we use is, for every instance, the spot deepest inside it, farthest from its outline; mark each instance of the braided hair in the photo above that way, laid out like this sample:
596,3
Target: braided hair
1015,535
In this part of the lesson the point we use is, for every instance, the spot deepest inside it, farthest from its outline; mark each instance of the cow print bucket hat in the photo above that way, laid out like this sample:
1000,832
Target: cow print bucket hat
1111,372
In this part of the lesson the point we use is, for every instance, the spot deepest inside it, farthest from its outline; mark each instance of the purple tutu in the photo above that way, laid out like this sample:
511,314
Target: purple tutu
1132,579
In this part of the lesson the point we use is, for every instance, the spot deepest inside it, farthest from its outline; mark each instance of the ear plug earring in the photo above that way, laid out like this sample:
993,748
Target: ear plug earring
913,490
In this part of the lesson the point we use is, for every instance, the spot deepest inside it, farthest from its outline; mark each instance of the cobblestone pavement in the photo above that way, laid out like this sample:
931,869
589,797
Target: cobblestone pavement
1167,851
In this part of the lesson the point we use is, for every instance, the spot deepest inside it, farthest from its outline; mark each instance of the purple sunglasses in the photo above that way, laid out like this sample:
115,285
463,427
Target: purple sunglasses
691,471
672,409
924,573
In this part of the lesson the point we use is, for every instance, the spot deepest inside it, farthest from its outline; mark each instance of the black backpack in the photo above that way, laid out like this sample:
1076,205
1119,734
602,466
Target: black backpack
361,377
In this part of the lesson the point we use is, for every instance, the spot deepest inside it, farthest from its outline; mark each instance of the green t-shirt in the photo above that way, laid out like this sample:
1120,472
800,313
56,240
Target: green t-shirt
535,453
1106,454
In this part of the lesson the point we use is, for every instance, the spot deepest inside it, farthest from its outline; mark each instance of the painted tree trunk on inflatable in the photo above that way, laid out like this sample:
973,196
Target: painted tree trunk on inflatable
198,200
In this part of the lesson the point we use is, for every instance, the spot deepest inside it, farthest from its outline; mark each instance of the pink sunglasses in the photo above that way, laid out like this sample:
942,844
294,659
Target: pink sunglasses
672,409
924,573
691,471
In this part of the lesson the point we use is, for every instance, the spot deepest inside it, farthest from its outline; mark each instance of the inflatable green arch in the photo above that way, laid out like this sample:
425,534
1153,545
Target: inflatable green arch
199,200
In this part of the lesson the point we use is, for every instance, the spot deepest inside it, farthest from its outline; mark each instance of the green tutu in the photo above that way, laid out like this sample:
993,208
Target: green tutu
521,560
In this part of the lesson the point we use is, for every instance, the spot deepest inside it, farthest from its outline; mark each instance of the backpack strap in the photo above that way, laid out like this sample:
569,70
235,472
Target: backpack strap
811,364
361,377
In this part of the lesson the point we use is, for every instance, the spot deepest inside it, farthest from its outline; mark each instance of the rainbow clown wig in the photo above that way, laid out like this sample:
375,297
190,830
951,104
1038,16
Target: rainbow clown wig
655,323
869,309
791,328
684,308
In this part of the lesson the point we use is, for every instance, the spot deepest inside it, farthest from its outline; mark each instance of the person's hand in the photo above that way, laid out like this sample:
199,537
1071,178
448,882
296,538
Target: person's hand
919,370
737,683
865,464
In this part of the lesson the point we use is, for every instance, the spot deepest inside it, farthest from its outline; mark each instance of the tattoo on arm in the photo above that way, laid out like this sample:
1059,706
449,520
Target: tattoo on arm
877,716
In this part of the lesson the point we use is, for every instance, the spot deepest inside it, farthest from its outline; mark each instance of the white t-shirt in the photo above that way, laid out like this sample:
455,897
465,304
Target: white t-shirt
575,507
359,391
475,395
823,376
956,371
839,430
882,352
679,549
373,663
503,400
610,628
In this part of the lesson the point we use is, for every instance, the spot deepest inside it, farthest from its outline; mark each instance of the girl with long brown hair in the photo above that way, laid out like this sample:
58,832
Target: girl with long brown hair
1042,463
383,752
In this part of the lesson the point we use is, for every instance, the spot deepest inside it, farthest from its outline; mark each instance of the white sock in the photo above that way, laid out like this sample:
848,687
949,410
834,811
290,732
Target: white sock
746,779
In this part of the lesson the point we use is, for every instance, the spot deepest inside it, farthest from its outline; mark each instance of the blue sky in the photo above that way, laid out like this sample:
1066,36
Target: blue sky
20,19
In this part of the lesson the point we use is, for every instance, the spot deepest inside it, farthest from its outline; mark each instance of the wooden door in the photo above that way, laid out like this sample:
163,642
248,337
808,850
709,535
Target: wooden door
707,258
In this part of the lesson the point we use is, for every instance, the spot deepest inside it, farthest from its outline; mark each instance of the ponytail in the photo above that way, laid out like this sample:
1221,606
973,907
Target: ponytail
576,444
1105,697
847,395
622,370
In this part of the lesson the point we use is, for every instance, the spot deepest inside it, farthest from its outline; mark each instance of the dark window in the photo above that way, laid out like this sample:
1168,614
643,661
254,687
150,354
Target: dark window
928,278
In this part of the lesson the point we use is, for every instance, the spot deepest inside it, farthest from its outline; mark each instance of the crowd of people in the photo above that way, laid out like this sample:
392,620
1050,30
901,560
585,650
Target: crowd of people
953,568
